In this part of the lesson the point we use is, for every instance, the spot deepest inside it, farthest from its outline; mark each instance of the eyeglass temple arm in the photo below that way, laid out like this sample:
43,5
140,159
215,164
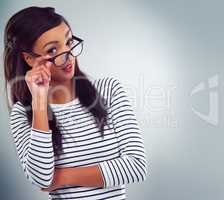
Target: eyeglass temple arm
77,38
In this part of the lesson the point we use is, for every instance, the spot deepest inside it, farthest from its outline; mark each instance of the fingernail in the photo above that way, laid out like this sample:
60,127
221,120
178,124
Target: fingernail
48,63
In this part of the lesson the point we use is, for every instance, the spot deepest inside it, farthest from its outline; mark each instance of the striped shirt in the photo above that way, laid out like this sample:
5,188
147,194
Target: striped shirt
120,154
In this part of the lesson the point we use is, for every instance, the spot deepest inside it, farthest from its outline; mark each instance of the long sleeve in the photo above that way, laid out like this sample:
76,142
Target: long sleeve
131,166
34,148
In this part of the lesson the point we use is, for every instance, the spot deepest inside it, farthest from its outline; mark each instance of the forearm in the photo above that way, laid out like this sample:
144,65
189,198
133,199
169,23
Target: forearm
40,115
89,176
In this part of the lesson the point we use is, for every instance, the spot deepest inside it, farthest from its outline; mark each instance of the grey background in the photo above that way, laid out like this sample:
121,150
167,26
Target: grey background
160,51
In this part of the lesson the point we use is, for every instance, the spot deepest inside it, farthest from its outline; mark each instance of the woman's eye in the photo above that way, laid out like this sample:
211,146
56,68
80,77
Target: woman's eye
52,51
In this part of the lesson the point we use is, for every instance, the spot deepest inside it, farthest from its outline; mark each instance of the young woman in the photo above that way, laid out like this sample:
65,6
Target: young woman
76,137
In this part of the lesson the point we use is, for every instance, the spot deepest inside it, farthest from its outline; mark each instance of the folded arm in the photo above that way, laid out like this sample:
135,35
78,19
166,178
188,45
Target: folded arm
129,167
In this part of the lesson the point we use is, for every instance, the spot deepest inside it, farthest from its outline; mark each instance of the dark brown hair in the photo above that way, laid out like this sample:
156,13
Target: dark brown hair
21,32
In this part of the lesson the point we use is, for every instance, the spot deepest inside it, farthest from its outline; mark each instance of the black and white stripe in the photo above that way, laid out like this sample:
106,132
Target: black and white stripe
34,148
120,153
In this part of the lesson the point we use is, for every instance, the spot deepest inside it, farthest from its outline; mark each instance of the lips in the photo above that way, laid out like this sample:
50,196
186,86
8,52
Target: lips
67,68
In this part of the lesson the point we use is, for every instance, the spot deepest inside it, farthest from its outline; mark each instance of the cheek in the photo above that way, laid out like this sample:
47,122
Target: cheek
55,71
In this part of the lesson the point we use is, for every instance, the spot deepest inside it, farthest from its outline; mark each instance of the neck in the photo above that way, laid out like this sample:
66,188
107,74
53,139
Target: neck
61,93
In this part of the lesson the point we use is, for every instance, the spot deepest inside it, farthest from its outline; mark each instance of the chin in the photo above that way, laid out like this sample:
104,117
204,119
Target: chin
67,76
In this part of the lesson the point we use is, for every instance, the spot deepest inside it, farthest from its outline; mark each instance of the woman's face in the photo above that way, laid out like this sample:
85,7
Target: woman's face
52,43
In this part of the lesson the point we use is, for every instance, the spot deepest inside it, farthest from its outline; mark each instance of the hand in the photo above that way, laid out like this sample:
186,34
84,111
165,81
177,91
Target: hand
55,182
38,78
50,188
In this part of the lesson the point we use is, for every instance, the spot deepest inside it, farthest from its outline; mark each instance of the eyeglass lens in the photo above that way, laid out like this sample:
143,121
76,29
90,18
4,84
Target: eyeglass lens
75,51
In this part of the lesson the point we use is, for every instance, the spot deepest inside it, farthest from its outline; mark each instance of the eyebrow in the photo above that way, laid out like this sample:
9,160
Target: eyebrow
53,42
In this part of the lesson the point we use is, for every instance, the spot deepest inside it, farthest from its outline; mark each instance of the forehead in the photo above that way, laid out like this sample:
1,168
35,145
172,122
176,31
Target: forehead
55,34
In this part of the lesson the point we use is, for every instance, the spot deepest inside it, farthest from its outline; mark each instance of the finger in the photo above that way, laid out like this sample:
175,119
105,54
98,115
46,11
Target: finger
36,68
44,190
39,60
41,77
38,81
44,74
37,78
47,69
49,65
36,74
32,75
39,74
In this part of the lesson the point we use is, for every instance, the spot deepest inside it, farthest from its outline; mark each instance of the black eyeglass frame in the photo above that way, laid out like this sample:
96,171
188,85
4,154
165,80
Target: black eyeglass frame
80,42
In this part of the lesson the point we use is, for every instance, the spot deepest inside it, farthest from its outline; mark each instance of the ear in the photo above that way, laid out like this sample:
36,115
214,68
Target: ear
28,58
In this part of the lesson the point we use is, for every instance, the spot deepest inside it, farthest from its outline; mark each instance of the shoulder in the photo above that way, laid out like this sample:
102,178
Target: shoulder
105,83
105,86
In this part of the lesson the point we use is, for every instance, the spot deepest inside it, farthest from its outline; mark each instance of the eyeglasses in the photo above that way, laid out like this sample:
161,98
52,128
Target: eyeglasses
60,59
